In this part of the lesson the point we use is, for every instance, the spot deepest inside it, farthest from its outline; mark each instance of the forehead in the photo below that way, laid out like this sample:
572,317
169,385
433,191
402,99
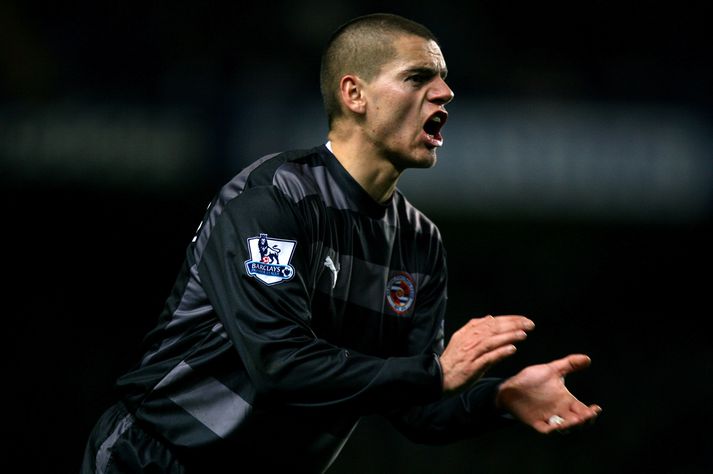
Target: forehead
416,52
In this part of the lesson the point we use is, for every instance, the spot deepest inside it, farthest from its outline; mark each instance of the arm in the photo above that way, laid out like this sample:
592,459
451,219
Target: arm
468,406
537,396
270,324
474,404
465,415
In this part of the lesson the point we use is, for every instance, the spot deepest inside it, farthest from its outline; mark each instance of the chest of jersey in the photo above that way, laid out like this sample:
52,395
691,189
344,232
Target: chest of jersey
366,285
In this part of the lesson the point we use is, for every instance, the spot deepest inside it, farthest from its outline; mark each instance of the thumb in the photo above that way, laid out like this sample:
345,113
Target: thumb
571,363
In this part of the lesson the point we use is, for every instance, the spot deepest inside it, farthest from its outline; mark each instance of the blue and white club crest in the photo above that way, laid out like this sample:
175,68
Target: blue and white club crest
270,259
401,292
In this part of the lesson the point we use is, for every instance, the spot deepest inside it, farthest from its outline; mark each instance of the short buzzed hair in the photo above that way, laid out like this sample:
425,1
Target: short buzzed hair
361,46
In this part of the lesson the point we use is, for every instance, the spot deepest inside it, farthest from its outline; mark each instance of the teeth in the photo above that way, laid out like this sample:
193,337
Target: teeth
436,119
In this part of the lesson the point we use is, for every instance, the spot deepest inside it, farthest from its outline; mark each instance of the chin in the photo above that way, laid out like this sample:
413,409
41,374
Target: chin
424,164
421,159
428,160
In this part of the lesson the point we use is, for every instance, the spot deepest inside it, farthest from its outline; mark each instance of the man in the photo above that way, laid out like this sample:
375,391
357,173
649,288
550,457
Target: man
271,363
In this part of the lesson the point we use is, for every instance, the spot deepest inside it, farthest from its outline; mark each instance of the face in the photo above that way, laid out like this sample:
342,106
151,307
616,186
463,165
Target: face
405,104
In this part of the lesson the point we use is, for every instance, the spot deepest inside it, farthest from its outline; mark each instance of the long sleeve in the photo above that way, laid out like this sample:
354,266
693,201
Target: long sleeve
269,324
468,414
302,305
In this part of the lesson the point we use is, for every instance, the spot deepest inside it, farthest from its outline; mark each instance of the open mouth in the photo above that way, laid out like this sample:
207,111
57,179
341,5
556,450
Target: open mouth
434,124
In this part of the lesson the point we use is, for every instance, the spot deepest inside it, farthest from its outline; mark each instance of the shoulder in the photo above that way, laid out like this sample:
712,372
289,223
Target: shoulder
291,173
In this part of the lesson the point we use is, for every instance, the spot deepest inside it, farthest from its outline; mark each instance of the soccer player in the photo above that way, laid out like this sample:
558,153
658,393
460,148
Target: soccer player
314,293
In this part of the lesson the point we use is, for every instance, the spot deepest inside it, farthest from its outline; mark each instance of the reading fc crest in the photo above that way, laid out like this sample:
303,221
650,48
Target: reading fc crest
270,259
400,292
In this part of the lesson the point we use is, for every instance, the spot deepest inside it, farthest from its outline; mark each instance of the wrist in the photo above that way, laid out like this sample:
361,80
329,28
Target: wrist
499,401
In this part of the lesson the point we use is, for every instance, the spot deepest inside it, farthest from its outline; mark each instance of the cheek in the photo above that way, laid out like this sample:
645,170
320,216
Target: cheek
397,114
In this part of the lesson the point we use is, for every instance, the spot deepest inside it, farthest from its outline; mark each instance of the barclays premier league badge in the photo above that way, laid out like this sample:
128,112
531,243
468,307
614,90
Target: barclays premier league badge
270,259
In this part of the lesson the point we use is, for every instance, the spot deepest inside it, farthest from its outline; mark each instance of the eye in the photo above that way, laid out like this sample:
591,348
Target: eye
417,78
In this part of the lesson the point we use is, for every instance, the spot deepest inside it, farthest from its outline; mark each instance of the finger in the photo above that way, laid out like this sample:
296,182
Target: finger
486,360
543,427
505,323
563,424
597,411
570,364
578,415
496,341
592,413
585,412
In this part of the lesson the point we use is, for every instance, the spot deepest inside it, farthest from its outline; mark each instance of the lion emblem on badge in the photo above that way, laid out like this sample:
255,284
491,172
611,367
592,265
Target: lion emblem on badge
268,254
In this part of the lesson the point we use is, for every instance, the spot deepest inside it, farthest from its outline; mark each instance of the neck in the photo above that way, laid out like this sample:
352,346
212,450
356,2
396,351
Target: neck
375,173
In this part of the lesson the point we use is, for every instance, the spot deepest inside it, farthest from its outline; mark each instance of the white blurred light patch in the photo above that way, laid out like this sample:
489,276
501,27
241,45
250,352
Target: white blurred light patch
574,160
117,145
540,159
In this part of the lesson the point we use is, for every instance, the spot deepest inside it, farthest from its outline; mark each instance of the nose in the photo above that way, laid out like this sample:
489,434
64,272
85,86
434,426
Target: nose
441,94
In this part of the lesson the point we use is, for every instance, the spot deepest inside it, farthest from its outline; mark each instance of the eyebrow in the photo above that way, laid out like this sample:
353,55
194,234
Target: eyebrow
427,71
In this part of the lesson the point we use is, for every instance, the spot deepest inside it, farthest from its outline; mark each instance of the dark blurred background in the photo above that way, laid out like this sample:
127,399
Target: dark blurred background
574,187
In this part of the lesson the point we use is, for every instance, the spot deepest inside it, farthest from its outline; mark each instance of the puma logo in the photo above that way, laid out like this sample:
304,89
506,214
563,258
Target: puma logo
329,263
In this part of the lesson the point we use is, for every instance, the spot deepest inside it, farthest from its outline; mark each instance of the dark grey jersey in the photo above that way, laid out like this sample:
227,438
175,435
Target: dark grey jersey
303,304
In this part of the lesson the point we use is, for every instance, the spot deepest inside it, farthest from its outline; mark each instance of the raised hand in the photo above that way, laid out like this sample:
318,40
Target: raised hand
538,397
480,343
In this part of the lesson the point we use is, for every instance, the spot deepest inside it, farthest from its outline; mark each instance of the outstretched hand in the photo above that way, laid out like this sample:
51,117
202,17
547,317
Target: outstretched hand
538,397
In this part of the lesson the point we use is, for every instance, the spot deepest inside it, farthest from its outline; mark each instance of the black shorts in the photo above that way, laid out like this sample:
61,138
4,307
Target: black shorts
118,445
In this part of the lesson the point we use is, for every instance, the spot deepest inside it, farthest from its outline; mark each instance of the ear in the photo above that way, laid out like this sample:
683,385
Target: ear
351,92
